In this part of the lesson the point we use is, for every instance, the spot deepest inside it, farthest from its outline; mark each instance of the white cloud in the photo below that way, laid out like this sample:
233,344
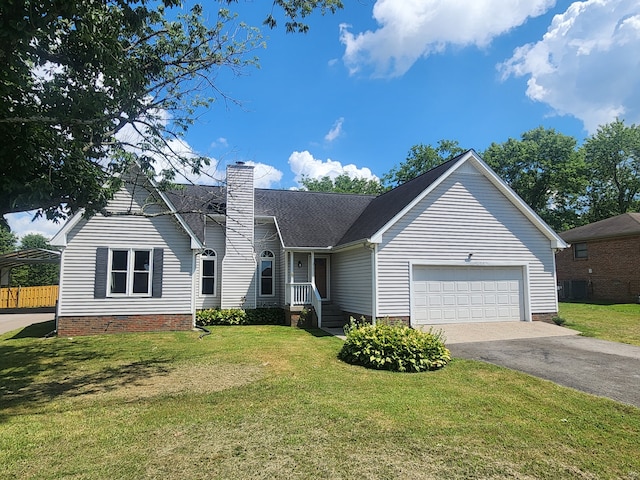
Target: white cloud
23,224
168,157
265,176
304,165
220,142
410,29
335,131
586,64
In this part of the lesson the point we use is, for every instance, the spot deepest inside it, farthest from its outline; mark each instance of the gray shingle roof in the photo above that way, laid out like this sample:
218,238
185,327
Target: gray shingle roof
386,206
310,219
618,226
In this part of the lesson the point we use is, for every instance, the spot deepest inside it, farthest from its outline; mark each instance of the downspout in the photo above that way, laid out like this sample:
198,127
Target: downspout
193,287
374,282
58,303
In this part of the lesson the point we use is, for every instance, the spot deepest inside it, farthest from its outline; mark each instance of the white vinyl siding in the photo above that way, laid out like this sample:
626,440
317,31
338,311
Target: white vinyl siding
239,262
465,214
351,280
126,232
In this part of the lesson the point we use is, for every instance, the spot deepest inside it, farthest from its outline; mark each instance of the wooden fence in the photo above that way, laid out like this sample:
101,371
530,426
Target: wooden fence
29,297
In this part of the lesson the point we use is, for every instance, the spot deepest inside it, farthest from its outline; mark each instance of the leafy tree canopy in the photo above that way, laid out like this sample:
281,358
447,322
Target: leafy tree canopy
547,170
88,87
612,158
420,159
343,184
7,240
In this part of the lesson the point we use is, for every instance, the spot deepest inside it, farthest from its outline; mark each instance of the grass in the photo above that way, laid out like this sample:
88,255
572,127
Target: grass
274,402
618,323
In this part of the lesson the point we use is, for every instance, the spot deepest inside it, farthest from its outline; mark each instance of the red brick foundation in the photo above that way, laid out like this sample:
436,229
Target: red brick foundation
73,326
544,317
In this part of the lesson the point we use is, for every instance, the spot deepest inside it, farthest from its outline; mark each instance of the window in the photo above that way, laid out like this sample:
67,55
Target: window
580,250
130,272
208,272
266,274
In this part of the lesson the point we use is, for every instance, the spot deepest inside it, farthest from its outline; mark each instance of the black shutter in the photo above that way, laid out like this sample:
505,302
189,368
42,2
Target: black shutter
156,281
100,282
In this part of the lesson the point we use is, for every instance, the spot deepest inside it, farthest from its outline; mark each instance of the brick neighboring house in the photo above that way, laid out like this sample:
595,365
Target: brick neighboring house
603,261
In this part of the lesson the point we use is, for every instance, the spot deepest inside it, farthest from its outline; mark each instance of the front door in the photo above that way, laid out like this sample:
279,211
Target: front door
320,267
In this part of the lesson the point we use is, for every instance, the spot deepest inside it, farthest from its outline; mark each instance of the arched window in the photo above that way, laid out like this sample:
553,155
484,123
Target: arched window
208,272
267,274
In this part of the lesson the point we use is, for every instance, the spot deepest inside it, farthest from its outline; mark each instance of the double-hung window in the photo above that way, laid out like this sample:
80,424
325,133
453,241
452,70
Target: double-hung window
266,274
130,272
580,250
208,272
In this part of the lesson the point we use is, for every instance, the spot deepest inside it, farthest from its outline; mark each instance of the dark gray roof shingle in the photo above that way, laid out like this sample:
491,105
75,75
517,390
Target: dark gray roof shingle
310,219
618,226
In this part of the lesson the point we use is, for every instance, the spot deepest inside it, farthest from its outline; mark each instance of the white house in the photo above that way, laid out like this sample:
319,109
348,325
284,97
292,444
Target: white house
455,244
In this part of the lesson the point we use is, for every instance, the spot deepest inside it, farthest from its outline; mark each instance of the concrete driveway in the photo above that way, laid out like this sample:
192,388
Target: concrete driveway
13,321
602,368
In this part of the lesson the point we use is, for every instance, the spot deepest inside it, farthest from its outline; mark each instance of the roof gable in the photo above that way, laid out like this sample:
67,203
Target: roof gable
388,208
60,238
618,226
385,208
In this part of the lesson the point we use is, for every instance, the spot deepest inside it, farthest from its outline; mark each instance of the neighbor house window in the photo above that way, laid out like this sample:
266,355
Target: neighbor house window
208,272
130,272
266,273
580,250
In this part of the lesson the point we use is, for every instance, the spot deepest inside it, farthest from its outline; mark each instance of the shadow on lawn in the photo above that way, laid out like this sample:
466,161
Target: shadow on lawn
36,330
39,372
317,332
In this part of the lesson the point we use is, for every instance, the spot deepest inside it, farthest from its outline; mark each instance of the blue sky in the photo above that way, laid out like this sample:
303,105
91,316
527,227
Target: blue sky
364,85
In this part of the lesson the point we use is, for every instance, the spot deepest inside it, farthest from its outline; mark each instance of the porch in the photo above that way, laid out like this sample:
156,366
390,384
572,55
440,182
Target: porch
308,286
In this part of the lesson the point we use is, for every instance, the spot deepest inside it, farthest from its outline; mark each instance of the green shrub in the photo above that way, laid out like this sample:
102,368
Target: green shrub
236,316
265,316
216,316
393,347
558,320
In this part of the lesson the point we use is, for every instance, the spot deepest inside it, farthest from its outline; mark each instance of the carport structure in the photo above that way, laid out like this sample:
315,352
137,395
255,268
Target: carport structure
31,256
21,297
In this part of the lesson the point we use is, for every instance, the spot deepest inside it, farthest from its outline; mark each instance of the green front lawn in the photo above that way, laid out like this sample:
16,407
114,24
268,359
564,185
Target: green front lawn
618,323
274,402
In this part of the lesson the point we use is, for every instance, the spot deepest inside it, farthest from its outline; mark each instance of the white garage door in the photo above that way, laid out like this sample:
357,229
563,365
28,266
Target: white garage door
466,294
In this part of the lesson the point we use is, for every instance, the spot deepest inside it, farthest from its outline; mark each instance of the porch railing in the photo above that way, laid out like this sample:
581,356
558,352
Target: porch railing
305,293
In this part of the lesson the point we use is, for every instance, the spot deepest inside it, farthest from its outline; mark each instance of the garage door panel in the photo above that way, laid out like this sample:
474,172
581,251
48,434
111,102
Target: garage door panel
467,294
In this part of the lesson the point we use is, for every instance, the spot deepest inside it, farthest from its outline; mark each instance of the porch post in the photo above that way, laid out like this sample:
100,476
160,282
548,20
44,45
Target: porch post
291,259
289,276
313,269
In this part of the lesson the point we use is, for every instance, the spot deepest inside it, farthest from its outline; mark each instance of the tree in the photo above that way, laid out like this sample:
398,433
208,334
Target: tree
89,87
33,275
7,240
343,184
547,170
420,159
612,157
